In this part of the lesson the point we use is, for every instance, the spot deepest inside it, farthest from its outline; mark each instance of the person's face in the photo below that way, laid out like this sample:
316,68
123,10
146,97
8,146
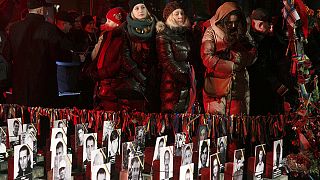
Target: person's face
232,22
203,133
101,176
15,128
204,157
62,173
23,159
188,156
80,136
260,156
178,16
160,146
215,168
59,135
135,170
77,23
90,27
89,148
115,145
188,175
60,124
31,131
140,11
167,158
111,24
59,151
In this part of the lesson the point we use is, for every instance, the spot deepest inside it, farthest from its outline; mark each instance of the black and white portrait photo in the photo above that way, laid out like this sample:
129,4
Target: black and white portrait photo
81,129
107,129
222,150
135,167
29,136
59,149
15,130
127,152
180,139
204,151
215,167
160,142
260,157
98,157
139,139
58,133
90,144
101,172
62,167
23,162
277,158
60,123
187,154
238,164
203,132
114,145
3,141
166,162
186,172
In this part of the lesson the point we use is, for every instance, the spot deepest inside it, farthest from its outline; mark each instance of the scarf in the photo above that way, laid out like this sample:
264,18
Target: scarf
141,29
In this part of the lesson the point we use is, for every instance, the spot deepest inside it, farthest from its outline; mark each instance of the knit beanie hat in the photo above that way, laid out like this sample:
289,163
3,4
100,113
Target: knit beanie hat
170,7
86,20
117,15
132,3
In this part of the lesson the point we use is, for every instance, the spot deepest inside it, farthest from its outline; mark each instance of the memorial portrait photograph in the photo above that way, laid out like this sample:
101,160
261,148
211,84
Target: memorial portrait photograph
277,158
127,152
98,157
80,130
101,172
238,164
60,123
139,139
90,144
58,133
59,149
203,132
180,139
62,167
14,130
107,129
114,145
166,162
187,151
260,160
186,172
222,150
29,136
204,151
135,167
3,143
23,165
160,142
215,167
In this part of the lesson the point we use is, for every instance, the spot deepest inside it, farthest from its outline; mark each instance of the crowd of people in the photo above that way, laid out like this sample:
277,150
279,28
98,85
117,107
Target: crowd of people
140,62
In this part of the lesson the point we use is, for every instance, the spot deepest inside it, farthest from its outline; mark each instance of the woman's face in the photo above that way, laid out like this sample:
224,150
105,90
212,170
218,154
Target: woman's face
140,11
90,27
178,16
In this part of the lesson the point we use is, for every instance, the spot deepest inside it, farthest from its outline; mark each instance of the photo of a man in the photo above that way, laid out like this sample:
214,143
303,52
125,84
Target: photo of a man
160,142
114,145
58,151
135,168
214,169
15,130
80,131
238,164
186,172
140,139
260,161
180,139
59,123
166,162
277,158
187,154
22,162
204,153
101,172
90,145
203,132
29,136
3,147
222,150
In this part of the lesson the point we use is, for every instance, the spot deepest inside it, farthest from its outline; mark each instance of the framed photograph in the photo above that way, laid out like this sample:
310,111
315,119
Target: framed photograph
215,167
186,172
59,149
107,129
204,151
222,150
160,142
60,123
62,167
14,130
114,145
277,158
99,157
260,160
135,167
90,144
203,132
81,129
29,136
187,151
180,140
127,152
101,172
166,162
238,164
23,165
140,139
58,133
3,143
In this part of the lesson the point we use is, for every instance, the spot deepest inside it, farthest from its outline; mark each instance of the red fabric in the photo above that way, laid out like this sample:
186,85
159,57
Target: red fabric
301,8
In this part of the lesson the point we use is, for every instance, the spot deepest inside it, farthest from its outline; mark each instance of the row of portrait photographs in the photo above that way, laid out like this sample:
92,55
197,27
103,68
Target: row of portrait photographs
166,162
139,139
180,140
186,172
160,142
260,158
187,151
58,133
99,157
62,167
59,149
101,172
3,143
23,162
90,144
204,153
214,166
14,130
81,129
238,164
222,150
277,158
135,167
60,123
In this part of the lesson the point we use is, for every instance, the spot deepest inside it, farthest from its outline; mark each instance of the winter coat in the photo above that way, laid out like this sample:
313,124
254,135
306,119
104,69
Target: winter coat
217,58
33,48
174,55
